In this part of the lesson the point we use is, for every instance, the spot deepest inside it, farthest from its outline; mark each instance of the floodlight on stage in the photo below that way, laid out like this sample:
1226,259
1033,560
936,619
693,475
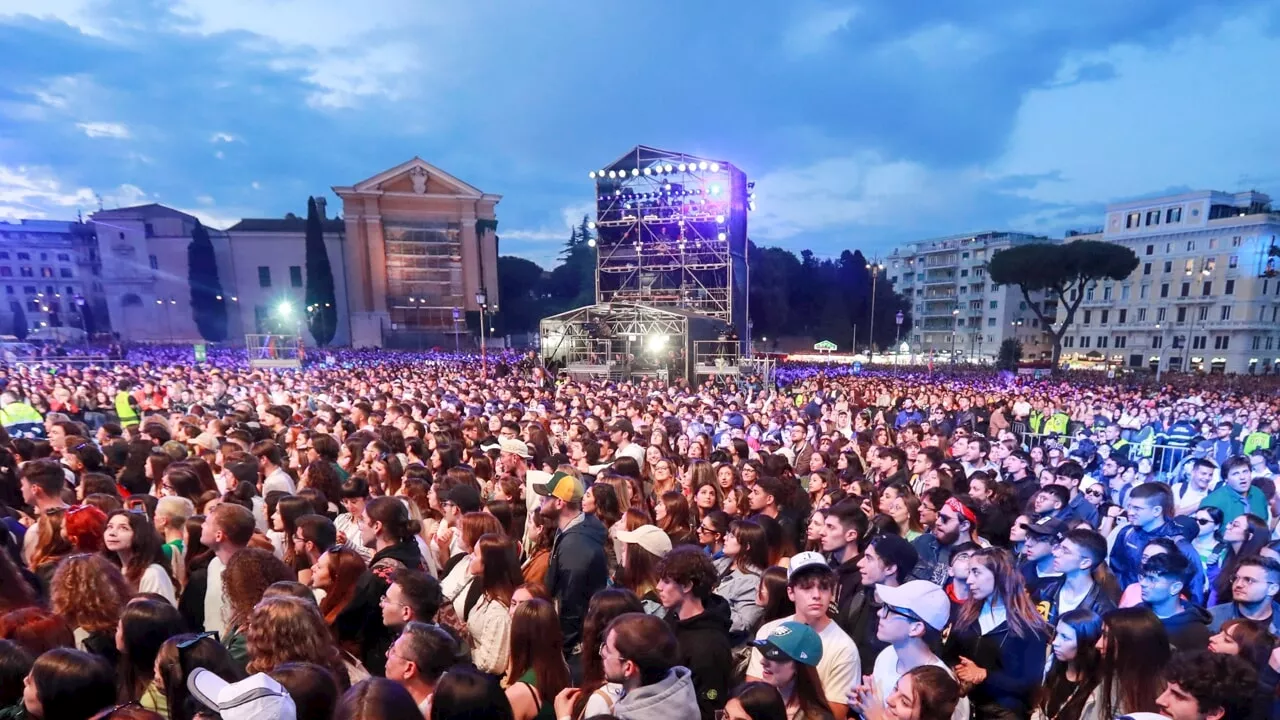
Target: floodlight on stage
592,174
682,167
635,172
721,237
656,341
667,168
284,309
613,174
631,338
715,189
702,165
592,224
720,219
715,167
591,242
648,171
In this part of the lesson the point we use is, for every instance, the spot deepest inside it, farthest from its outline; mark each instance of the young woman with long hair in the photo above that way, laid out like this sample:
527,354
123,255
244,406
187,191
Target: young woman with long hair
284,524
1249,639
464,694
1135,650
1245,536
925,692
89,593
905,512
755,701
671,514
707,496
712,529
735,503
131,541
748,551
999,641
386,526
144,626
178,657
602,501
541,535
83,527
536,671
67,684
772,597
248,574
349,605
814,531
795,673
1074,668
638,565
598,694
663,476
496,570
284,630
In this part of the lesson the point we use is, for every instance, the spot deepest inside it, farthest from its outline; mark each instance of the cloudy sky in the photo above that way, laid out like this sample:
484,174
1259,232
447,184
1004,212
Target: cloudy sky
864,124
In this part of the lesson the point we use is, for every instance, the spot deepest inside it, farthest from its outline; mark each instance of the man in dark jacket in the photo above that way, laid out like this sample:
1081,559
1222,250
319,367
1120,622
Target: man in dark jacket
577,569
1150,511
1163,578
700,620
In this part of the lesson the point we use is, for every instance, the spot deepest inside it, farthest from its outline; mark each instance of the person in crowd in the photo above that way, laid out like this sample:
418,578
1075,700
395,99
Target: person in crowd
257,697
1135,651
700,620
1150,511
922,693
418,658
132,542
1074,668
178,657
386,527
748,552
998,643
1208,541
888,561
351,594
1254,588
638,654
464,694
227,529
66,684
958,522
1237,494
1246,536
844,527
597,694
536,668
811,585
496,570
312,688
1082,580
1037,559
144,627
755,701
89,594
1201,685
412,596
284,630
375,697
791,653
911,619
644,547
1163,580
1246,638
578,568
15,665
248,574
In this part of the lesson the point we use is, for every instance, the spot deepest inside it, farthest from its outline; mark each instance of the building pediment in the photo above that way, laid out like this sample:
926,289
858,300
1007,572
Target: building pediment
415,177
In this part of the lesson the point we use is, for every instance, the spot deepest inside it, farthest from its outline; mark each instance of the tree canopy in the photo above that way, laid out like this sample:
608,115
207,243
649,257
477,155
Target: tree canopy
1063,273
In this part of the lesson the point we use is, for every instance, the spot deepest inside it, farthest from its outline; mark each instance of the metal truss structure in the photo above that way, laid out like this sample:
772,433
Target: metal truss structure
274,351
672,233
618,340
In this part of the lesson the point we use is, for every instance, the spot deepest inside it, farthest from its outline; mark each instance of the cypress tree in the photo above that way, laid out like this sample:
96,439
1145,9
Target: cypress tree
321,300
208,304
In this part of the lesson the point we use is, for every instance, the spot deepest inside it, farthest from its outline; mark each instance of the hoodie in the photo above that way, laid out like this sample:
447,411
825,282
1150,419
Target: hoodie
671,698
1189,629
705,650
577,571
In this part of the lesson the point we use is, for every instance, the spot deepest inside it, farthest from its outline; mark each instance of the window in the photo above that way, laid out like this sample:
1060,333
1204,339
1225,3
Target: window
1213,243
1146,268
1106,293
24,256
1084,341
295,275
1164,290
1088,316
1189,266
46,272
1121,341
1088,293
64,257
1168,266
1173,215
26,272
1124,292
1211,264
149,229
964,256
1142,314
1102,342
260,318
1144,292
1191,246
1269,342
1257,342
1151,249
1161,314
995,304
264,276
1199,342
1182,314
64,272
1123,314
964,273
155,262
1133,220
991,322
1105,313
4,256
29,289
1156,341
1068,341
1153,218
1233,262
1022,305
1186,289
6,271
44,257
1226,312
1230,288
979,272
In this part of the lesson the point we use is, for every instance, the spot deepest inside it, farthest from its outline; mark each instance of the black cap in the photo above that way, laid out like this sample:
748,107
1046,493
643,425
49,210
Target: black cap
1050,528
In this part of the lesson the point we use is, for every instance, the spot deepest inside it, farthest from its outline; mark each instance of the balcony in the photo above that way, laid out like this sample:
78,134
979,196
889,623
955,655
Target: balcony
937,295
948,279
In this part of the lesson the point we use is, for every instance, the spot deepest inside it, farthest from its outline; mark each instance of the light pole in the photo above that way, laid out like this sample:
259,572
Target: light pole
456,314
955,317
875,268
482,299
897,319
1160,359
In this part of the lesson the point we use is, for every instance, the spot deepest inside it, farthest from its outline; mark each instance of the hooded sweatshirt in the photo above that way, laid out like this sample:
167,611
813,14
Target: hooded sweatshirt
671,698
1189,629
577,571
705,650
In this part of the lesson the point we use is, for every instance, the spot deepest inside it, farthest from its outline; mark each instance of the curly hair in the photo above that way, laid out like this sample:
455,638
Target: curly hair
1215,681
285,629
89,591
248,574
689,565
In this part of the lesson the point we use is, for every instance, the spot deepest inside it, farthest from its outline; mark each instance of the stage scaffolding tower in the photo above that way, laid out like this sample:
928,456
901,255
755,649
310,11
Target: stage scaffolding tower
672,233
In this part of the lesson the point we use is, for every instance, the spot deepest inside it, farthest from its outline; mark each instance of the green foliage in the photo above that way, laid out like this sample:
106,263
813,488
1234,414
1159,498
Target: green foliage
208,304
1010,354
520,285
1062,273
20,327
321,298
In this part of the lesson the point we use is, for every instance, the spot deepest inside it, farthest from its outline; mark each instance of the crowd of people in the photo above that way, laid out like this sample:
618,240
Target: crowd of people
392,535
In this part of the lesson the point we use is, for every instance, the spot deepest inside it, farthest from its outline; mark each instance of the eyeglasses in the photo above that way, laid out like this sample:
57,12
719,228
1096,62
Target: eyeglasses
1248,581
192,641
1204,521
887,610
709,531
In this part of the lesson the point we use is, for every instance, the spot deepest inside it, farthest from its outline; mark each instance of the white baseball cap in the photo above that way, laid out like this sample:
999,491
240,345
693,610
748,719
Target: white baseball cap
925,600
805,560
257,697
649,537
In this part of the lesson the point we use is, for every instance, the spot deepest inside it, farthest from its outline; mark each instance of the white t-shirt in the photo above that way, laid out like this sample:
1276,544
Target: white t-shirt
278,480
839,669
155,580
215,617
885,676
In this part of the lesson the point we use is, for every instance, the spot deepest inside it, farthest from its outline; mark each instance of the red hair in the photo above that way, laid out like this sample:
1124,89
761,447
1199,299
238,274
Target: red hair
36,630
85,526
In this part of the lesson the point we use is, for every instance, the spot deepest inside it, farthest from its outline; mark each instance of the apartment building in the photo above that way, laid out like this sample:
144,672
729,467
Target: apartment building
956,307
49,274
1205,295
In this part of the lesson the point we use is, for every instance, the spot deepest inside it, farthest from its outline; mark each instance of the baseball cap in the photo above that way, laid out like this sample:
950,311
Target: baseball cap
922,598
257,697
562,485
489,444
175,450
649,537
806,560
1050,528
791,640
622,425
515,447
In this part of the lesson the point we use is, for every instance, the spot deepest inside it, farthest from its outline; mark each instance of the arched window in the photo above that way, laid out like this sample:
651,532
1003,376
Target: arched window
130,300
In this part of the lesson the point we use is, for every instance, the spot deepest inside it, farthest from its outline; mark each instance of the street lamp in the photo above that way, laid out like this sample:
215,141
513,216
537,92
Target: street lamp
897,319
875,269
1160,359
955,315
482,299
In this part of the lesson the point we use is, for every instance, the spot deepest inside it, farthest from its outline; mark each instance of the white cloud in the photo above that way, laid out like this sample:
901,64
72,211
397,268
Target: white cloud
205,199
1157,123
79,14
35,192
217,219
811,29
116,131
222,137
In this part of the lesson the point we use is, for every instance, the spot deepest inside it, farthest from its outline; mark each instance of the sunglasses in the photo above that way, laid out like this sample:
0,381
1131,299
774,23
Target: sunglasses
1094,493
1204,521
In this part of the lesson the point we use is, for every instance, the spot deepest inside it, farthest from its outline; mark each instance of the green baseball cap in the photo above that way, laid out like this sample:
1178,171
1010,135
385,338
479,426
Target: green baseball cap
792,641
561,485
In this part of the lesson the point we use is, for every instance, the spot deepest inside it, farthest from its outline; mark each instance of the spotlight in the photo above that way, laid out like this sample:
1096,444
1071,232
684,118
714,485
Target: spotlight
592,224
648,171
667,187
668,168
702,165
612,174
635,172
591,242
617,193
721,237
592,174
715,167
720,218
682,167
715,189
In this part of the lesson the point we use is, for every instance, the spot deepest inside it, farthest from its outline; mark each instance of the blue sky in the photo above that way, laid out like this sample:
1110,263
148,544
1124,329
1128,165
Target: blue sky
864,124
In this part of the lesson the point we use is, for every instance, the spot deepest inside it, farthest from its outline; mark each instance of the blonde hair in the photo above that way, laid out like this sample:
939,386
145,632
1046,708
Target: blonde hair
288,629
